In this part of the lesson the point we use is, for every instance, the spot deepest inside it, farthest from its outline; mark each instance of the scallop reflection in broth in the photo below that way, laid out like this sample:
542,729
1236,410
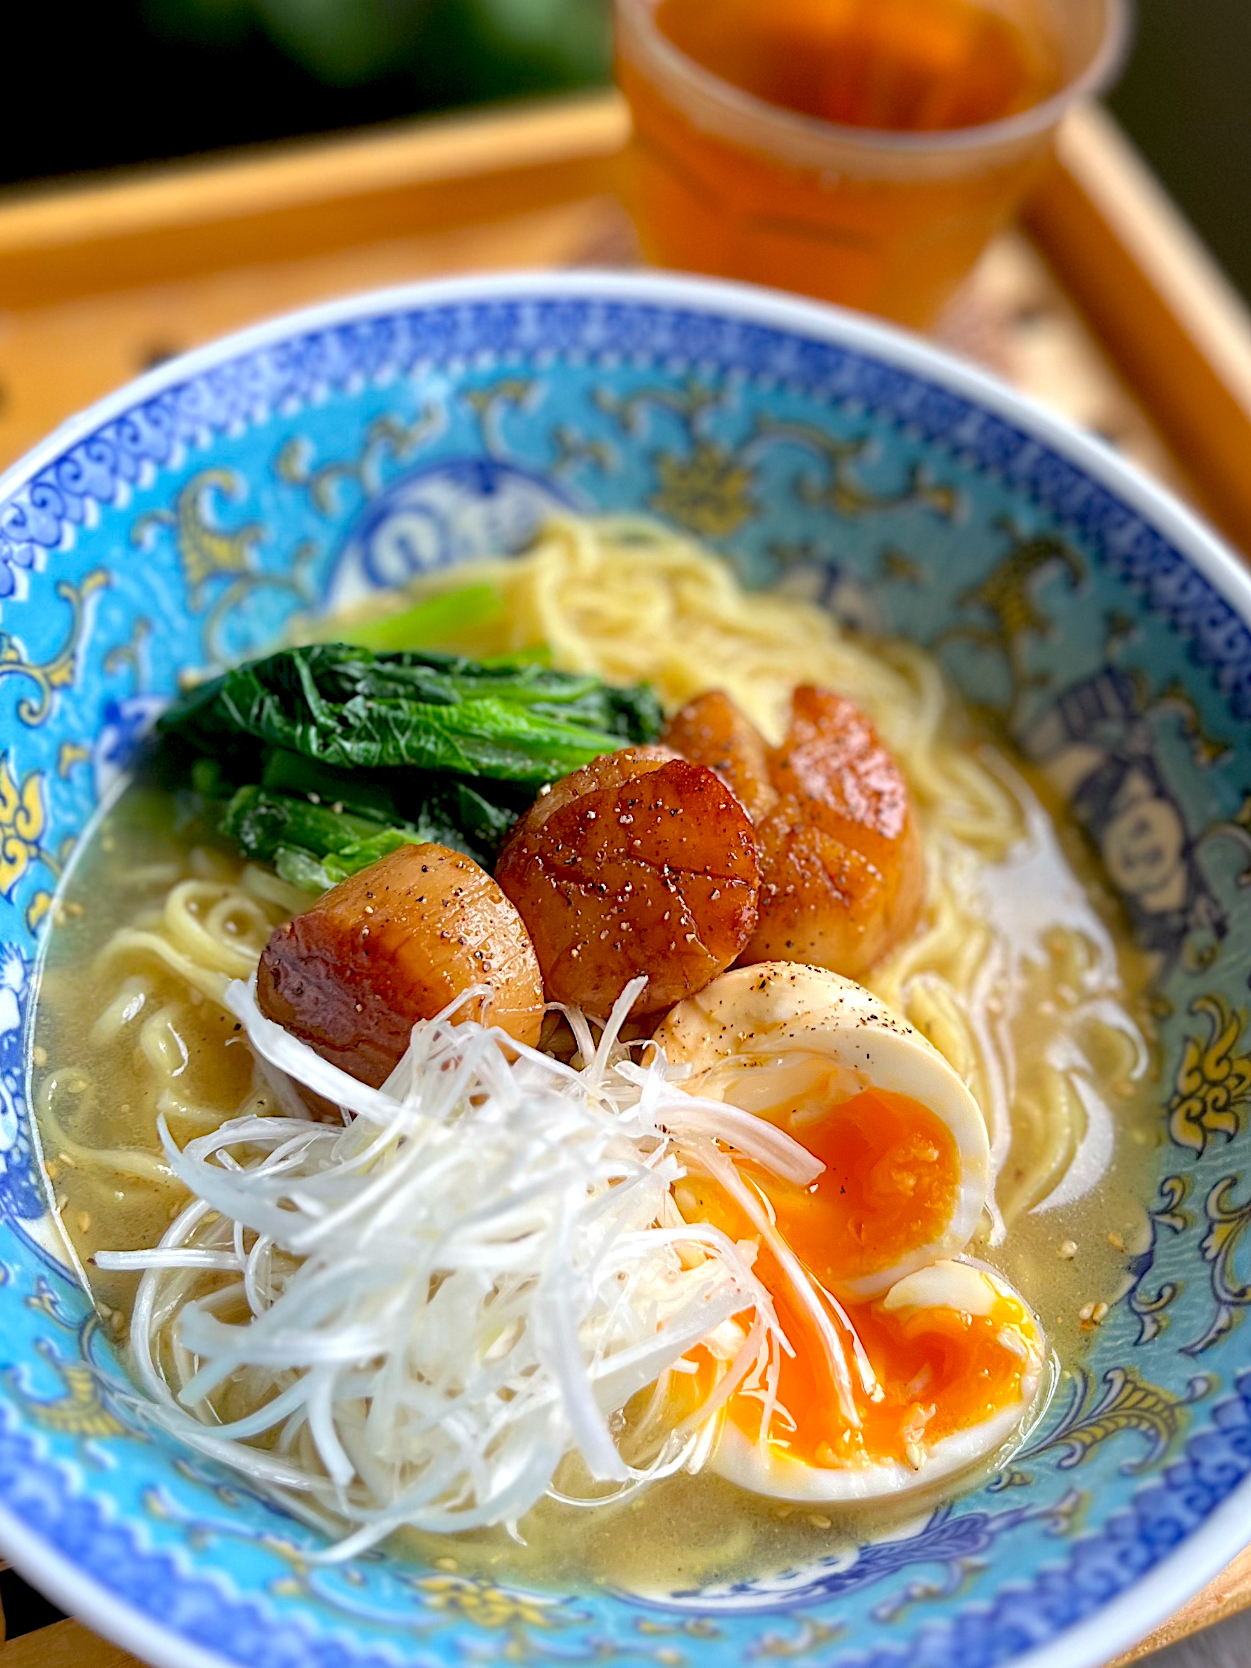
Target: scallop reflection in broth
943,1359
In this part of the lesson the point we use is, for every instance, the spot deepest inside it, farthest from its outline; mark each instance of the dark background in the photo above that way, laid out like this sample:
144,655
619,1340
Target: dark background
92,86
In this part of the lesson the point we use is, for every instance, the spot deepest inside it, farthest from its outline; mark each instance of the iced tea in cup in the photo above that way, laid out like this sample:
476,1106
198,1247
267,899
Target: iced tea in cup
864,151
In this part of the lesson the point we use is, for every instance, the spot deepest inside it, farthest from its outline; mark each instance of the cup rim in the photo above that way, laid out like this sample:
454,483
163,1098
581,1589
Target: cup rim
1108,59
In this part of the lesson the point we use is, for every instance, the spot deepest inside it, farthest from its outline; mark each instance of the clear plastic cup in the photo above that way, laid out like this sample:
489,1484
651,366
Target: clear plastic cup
884,219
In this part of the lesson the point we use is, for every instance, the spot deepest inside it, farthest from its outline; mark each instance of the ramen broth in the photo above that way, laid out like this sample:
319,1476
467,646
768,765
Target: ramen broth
100,1078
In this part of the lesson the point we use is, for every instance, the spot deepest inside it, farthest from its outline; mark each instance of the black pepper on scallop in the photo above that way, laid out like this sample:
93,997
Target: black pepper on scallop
638,863
395,944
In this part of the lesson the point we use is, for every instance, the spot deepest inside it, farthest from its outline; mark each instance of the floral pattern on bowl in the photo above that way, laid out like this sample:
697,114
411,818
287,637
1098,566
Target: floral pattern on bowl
184,521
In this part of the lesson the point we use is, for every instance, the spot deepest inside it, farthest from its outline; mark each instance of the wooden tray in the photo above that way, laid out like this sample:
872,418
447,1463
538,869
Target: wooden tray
1105,307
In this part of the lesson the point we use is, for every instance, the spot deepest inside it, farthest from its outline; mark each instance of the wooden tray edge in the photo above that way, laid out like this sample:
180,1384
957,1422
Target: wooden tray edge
1179,332
73,240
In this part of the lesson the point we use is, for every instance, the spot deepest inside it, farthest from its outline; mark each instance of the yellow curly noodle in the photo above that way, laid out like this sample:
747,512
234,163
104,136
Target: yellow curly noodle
130,1025
1035,1015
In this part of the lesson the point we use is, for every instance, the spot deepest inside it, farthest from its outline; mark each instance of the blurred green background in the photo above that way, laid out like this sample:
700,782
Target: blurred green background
141,80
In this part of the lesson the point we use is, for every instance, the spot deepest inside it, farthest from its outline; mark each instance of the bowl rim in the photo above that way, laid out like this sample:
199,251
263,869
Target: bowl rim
1117,1626
1215,557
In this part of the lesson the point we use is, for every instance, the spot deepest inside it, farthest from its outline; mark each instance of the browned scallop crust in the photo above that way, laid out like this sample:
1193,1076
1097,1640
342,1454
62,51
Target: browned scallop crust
394,945
843,869
712,730
639,863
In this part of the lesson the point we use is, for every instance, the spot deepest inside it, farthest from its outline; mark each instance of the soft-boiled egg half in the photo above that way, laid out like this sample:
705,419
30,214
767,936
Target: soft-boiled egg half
905,1365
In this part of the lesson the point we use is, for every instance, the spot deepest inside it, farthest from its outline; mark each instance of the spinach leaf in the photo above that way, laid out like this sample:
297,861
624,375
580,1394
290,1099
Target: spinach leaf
323,759
315,846
349,708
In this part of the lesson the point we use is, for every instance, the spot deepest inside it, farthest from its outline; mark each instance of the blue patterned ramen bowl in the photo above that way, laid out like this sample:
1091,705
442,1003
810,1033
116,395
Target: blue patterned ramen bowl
180,523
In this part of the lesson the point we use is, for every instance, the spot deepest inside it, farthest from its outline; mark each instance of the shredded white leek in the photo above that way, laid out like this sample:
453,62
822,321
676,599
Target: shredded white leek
416,1315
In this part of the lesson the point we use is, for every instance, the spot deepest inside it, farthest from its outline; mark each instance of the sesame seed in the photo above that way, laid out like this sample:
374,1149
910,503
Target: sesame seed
1116,1242
1086,1312
1099,1313
1067,1250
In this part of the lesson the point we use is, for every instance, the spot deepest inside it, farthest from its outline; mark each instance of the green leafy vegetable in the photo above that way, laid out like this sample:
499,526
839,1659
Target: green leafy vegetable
323,759
348,707
432,621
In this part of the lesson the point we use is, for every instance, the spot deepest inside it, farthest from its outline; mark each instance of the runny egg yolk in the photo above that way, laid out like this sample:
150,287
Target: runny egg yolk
891,1173
939,1371
892,1166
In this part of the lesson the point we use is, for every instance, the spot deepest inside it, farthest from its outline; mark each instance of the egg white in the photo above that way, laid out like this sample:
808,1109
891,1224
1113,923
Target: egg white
779,1012
766,1469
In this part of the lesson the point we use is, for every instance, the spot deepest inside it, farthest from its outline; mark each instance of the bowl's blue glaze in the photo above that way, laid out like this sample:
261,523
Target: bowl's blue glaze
183,521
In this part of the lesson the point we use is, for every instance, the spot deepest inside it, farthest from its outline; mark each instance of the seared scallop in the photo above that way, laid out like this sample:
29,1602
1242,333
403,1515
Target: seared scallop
639,863
842,870
393,945
712,730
